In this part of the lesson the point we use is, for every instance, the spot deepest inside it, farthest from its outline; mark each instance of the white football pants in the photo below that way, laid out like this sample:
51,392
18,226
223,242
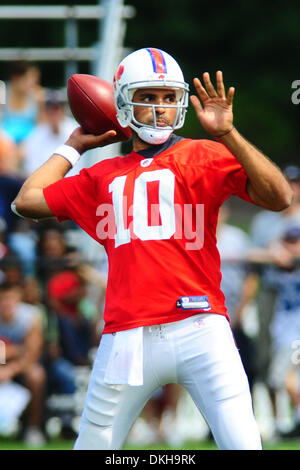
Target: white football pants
198,353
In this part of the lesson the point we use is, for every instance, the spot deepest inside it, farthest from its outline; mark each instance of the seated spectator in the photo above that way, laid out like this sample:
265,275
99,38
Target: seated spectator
48,135
66,294
60,372
21,329
24,101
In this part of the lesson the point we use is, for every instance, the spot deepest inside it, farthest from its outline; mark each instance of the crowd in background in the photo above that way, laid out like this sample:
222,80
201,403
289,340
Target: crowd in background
53,282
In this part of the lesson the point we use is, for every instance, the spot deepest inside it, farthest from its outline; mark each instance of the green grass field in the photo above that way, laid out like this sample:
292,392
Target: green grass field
6,444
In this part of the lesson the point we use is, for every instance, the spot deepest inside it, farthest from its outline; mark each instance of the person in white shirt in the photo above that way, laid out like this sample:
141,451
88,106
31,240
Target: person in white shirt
267,226
237,284
46,136
21,331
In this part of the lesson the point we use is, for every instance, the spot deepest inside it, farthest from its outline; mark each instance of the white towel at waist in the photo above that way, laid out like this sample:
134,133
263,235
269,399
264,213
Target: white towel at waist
125,364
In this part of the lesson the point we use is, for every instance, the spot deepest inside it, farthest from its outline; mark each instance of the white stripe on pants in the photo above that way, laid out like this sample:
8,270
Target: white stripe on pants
198,353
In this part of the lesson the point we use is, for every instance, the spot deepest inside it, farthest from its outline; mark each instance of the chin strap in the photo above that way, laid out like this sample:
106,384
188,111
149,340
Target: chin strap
154,136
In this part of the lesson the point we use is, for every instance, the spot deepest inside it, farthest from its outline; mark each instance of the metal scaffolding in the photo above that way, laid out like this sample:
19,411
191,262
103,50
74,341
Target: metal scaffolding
109,14
103,56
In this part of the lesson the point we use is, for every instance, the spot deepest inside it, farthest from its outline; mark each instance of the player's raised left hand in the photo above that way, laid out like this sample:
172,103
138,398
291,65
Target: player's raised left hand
214,108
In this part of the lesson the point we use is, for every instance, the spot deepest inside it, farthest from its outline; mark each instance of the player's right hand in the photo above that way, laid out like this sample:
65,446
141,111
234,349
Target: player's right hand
82,142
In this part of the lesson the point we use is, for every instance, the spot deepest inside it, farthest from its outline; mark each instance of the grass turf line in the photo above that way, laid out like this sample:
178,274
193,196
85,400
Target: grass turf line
6,444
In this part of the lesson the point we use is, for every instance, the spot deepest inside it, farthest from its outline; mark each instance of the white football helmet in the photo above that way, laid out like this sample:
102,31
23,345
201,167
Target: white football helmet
148,68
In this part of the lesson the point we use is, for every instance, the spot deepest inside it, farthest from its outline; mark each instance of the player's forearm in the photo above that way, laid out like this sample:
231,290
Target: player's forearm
29,202
267,185
51,171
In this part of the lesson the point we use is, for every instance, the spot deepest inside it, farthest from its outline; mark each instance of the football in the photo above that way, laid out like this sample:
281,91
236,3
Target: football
92,104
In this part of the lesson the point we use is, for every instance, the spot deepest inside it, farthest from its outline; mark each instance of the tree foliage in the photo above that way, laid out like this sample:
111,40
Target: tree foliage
255,43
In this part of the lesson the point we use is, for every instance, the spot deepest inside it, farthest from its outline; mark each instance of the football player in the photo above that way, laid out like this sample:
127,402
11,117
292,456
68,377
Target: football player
155,211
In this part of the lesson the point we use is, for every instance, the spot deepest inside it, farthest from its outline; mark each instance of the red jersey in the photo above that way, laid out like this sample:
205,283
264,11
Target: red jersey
156,218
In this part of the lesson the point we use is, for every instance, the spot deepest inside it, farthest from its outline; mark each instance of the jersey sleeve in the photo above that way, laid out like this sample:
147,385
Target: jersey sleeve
74,198
211,169
226,173
232,176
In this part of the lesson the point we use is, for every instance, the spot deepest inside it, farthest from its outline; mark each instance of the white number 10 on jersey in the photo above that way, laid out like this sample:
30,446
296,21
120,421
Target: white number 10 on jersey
141,229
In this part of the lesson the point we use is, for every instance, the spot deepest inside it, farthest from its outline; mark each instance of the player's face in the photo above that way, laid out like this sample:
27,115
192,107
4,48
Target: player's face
158,96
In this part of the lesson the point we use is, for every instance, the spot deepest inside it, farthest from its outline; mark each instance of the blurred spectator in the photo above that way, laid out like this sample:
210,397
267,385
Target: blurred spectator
21,329
161,416
51,253
47,136
292,382
233,245
3,246
32,295
284,276
37,90
267,226
9,155
10,181
238,284
9,188
11,271
24,101
22,241
60,372
65,292
92,306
